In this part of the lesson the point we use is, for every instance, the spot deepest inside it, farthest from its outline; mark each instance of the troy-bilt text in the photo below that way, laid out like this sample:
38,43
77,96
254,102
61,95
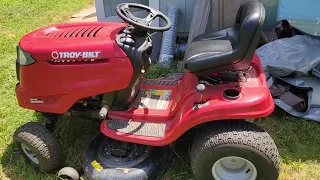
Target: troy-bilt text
73,55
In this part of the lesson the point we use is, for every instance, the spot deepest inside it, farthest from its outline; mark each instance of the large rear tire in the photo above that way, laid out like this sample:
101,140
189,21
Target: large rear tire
234,150
39,147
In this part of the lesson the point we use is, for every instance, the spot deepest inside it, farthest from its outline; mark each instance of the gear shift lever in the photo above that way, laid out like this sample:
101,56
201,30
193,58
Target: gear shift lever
200,88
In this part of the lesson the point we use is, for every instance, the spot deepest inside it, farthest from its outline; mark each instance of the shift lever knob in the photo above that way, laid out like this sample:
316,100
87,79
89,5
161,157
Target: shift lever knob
200,88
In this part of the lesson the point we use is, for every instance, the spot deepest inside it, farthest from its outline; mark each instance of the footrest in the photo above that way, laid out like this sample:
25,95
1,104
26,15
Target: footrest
159,83
137,128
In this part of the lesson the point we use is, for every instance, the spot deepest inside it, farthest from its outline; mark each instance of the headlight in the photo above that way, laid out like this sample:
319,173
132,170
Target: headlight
24,58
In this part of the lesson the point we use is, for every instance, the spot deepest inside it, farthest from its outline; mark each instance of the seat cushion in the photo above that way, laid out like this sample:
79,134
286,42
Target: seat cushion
229,49
198,51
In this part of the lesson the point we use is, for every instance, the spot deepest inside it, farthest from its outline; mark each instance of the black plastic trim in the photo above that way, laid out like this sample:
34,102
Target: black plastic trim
138,46
28,56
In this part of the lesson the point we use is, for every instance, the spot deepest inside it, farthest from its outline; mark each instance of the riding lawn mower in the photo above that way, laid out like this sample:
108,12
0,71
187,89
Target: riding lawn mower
96,70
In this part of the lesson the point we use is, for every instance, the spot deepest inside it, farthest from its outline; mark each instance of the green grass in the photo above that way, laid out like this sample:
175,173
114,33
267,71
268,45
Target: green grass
17,18
298,140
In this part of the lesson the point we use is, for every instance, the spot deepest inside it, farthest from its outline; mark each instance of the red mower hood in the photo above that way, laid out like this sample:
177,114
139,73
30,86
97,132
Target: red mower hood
76,41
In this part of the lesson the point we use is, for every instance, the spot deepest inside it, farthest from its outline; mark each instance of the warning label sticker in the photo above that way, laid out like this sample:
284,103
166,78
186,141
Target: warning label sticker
96,165
154,99
36,101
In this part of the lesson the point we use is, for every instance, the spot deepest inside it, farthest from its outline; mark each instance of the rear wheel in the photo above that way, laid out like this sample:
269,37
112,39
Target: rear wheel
39,147
234,150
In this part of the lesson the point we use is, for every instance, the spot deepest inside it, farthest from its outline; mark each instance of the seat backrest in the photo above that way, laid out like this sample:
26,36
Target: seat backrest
249,21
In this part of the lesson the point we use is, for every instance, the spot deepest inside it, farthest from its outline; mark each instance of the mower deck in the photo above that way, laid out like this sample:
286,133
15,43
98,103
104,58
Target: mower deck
154,119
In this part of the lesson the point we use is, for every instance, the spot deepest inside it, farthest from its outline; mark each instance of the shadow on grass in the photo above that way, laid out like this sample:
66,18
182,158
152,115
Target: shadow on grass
297,140
180,168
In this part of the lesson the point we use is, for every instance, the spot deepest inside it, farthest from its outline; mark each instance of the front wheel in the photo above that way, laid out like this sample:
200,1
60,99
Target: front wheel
39,147
68,173
234,150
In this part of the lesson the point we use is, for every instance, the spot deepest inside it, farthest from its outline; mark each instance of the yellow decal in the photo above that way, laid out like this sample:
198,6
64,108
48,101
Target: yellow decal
155,92
96,165
160,92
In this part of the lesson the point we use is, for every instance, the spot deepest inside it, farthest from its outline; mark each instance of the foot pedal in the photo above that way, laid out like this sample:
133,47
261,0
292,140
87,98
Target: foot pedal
137,128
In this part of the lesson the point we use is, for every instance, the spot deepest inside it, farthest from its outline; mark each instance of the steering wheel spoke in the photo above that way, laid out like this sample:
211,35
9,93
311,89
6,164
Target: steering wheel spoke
130,15
123,10
150,18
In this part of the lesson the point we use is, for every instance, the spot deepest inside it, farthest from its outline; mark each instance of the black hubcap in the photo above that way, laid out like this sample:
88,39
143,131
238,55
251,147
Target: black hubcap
117,153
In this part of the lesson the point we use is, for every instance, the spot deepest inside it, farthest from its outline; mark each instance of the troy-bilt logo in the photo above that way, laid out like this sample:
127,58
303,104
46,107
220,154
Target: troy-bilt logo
75,55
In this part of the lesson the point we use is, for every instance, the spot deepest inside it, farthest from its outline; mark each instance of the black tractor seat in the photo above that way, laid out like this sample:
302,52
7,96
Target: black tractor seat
229,49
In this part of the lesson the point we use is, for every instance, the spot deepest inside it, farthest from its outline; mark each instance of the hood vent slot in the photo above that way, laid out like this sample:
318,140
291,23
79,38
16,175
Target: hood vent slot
84,31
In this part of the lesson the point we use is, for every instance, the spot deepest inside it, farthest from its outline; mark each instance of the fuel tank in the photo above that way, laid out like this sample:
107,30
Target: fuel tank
71,61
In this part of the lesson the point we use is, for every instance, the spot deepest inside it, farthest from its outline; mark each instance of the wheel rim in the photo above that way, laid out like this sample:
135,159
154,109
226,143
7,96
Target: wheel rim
232,167
29,154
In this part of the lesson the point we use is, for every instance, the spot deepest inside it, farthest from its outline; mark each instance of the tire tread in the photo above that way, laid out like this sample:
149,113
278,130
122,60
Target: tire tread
235,132
43,142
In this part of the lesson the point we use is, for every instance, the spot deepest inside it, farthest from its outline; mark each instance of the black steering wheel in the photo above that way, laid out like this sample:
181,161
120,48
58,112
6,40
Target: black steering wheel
123,10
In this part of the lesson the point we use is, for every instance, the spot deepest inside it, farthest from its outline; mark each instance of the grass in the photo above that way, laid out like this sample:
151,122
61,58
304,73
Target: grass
298,140
17,18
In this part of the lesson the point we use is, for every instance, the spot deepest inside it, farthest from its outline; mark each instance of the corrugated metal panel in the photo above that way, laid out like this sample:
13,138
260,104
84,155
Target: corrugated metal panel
163,5
145,2
224,12
107,8
186,11
199,23
189,13
114,4
110,5
181,5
